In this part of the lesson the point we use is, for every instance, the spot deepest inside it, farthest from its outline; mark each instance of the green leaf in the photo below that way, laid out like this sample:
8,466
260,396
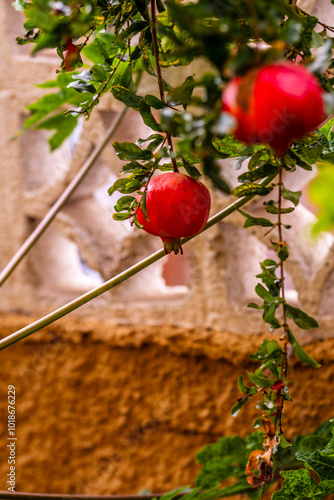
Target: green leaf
64,126
258,173
182,94
283,252
82,87
237,407
137,223
243,388
99,73
125,203
269,315
300,353
255,221
120,217
124,186
263,293
130,151
250,189
256,159
260,380
258,221
229,147
134,28
148,118
190,169
321,462
298,485
293,196
143,205
283,442
126,96
300,318
326,130
154,102
43,107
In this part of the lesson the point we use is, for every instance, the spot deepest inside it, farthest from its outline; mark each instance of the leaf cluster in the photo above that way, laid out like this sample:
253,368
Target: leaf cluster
227,459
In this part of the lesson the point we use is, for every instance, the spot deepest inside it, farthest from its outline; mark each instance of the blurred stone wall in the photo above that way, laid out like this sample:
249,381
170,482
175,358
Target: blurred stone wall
110,409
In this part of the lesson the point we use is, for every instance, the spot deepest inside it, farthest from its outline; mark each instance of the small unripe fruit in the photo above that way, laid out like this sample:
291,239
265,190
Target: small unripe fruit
177,206
275,104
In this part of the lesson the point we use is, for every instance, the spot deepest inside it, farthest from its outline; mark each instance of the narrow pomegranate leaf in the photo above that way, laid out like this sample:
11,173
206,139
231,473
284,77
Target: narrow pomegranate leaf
237,407
143,205
269,316
154,102
147,116
300,318
271,208
263,293
283,252
254,306
302,160
126,96
136,223
120,217
326,130
229,147
125,203
266,350
243,388
293,196
130,151
258,221
256,159
300,353
260,380
283,442
182,94
250,189
259,173
190,169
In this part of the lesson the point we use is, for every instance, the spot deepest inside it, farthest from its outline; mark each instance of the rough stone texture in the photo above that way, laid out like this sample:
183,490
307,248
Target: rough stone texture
150,398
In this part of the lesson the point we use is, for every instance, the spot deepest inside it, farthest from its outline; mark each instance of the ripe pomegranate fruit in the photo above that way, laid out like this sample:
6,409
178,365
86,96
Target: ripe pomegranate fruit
177,206
275,104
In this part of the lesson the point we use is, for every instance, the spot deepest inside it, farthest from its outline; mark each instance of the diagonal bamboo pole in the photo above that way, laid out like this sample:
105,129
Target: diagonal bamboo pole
42,226
108,285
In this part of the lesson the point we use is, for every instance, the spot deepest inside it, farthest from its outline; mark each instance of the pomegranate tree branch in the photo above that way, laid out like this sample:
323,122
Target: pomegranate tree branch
281,244
159,74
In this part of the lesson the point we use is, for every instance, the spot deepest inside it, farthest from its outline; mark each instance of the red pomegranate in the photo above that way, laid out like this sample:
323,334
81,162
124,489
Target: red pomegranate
275,104
177,206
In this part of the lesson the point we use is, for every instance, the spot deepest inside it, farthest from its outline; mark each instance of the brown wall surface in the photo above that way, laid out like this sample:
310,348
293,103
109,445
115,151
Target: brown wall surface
107,409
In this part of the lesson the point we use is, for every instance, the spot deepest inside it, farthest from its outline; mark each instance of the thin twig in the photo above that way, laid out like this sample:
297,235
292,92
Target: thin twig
87,38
